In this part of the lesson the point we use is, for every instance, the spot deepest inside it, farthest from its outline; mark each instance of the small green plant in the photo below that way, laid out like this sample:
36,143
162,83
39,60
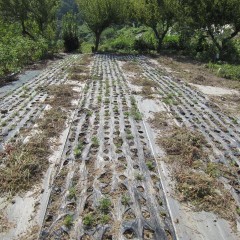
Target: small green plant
88,219
150,166
68,221
4,124
127,114
234,121
78,150
99,99
139,176
104,219
238,210
104,205
95,141
125,200
136,114
72,193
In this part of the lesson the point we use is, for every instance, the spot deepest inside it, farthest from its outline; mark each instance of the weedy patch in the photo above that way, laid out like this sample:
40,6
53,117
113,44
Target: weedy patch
62,95
197,179
132,67
23,165
53,122
143,81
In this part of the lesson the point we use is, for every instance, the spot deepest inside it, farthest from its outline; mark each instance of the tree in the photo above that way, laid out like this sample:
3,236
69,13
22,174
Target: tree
16,11
156,14
44,12
100,14
29,13
70,32
219,19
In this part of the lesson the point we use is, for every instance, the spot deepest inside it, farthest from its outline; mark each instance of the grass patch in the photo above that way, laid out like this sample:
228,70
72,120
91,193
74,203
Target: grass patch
132,67
196,178
225,70
53,122
142,81
62,95
23,165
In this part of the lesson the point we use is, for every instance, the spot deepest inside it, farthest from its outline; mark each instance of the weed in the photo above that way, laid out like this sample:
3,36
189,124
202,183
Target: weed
125,200
89,219
104,205
212,170
127,114
68,221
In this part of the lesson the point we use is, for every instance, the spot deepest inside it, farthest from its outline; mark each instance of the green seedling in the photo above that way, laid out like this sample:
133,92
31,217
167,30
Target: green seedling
88,219
78,150
139,176
72,193
105,218
125,200
68,221
104,205
95,141
150,166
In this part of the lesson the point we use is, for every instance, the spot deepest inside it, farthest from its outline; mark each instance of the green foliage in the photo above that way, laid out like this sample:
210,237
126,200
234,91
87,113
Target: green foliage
104,219
70,32
105,205
68,221
16,50
125,200
101,14
226,70
88,220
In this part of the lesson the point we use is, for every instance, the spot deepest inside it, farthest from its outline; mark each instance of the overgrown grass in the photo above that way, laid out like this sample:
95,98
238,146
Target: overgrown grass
226,70
197,179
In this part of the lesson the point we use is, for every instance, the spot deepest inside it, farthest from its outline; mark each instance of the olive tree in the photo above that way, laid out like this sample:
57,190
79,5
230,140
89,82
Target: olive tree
100,14
156,14
219,19
16,11
30,13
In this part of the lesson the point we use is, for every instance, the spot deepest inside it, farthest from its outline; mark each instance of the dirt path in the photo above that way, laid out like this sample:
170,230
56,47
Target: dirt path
108,180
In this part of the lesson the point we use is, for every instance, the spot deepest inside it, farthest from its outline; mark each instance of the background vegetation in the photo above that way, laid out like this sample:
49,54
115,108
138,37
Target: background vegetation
206,30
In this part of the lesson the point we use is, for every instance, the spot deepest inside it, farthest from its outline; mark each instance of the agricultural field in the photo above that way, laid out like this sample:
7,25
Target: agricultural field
111,146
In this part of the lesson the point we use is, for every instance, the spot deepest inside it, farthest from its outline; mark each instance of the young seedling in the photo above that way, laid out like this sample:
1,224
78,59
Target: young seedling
139,176
68,221
104,205
125,200
95,141
72,193
150,166
88,220
105,218
78,150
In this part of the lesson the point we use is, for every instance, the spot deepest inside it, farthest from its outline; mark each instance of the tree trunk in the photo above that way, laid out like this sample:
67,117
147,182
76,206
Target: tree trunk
97,41
160,38
25,32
